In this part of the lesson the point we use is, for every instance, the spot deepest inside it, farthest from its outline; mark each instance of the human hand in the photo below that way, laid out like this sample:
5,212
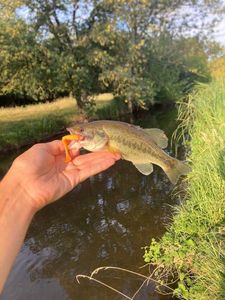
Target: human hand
45,177
36,178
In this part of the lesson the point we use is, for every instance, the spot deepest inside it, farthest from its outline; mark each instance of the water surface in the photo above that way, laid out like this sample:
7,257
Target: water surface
104,221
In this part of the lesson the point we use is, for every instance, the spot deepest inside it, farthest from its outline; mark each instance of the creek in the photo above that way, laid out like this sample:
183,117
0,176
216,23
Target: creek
104,221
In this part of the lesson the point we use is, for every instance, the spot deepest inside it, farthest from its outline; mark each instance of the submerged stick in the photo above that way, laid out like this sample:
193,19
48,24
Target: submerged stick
136,293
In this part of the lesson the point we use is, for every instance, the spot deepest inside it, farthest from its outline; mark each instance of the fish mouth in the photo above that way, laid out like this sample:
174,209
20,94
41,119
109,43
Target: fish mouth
76,143
72,131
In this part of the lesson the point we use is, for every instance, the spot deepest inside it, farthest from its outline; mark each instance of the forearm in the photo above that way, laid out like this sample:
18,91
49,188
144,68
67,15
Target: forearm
15,217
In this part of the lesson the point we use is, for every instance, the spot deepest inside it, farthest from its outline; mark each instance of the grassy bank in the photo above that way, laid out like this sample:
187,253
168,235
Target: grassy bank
192,252
26,125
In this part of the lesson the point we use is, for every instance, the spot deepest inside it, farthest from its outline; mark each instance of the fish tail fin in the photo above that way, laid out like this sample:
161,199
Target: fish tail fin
176,169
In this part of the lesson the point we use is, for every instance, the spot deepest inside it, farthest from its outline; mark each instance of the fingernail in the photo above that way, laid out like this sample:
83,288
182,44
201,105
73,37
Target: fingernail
76,160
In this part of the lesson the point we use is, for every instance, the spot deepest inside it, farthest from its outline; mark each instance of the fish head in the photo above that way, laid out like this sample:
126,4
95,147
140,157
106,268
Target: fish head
92,138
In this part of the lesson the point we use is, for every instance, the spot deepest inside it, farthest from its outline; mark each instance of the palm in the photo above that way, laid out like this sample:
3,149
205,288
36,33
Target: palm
48,177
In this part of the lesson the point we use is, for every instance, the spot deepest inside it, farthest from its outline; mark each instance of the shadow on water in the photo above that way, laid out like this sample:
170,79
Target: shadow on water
104,221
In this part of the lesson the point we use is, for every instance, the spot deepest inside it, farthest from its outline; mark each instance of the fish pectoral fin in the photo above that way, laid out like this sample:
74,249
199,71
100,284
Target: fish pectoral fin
111,149
145,169
158,136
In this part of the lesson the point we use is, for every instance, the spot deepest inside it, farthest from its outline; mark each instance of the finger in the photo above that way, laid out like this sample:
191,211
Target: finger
80,160
94,160
55,147
95,168
74,153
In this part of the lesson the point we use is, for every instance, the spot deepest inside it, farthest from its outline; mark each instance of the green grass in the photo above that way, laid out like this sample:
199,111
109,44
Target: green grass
26,125
111,110
193,249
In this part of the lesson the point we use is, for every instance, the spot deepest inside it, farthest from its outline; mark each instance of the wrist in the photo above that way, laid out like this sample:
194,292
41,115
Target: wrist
14,196
16,213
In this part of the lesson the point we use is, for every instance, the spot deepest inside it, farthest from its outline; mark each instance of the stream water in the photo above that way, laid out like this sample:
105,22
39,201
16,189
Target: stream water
104,221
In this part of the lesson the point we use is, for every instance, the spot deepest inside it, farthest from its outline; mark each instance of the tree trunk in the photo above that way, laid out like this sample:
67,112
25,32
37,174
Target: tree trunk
130,106
78,97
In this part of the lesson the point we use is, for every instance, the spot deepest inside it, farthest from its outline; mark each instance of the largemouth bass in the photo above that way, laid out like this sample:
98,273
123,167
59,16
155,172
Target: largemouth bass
143,147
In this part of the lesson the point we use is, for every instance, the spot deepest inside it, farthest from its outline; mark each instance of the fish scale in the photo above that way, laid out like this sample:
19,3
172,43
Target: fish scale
143,147
133,145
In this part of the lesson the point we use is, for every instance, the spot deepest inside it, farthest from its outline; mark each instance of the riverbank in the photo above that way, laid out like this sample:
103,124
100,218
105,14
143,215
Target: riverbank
192,252
23,126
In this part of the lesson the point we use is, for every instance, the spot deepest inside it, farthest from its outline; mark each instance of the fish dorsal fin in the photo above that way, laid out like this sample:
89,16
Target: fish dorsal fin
158,136
145,169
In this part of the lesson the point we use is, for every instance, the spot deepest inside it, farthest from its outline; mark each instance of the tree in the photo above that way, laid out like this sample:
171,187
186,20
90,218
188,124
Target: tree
84,47
148,63
28,68
48,53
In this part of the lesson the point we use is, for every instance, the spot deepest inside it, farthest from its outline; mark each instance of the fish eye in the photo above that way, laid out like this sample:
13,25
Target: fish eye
101,133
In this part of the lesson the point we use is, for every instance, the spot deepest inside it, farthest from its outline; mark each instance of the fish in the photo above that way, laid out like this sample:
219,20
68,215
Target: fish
141,146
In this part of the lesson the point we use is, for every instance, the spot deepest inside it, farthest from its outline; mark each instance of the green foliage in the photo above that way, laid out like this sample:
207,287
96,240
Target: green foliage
112,110
28,68
192,250
217,67
130,49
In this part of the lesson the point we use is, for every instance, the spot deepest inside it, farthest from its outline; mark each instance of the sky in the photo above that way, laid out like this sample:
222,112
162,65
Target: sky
219,31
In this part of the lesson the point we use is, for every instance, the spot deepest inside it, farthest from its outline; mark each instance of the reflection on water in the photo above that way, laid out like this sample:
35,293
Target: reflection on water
104,221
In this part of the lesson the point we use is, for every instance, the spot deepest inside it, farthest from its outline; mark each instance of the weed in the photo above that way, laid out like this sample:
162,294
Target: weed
192,250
